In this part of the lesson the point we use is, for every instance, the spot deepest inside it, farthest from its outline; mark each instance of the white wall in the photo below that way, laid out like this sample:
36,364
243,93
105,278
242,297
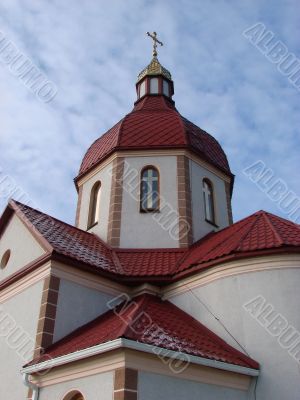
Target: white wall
154,386
200,226
104,176
76,306
280,374
24,248
20,315
95,387
141,230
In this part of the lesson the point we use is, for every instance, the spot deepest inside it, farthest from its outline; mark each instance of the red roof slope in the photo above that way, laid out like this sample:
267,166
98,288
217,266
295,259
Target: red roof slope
149,320
255,235
154,123
258,232
68,240
148,262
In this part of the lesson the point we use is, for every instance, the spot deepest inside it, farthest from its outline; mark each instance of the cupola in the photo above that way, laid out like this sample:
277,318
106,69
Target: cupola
155,79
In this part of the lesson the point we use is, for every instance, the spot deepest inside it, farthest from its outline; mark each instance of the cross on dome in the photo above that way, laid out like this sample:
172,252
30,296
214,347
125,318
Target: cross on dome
153,36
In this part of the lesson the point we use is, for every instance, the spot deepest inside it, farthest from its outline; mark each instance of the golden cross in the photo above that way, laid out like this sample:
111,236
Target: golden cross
155,41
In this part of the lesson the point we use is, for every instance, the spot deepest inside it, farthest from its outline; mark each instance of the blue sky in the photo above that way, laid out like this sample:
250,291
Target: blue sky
93,51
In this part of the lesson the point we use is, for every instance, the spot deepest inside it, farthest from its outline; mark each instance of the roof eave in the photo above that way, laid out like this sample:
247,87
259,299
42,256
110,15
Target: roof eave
133,345
199,267
160,147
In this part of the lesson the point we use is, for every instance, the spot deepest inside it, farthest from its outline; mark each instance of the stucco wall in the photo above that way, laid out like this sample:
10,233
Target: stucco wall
104,176
24,248
154,386
76,306
142,230
280,374
95,387
19,314
200,226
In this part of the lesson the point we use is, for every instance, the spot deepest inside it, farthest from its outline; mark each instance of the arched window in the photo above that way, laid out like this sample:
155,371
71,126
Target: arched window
208,197
149,200
94,209
74,395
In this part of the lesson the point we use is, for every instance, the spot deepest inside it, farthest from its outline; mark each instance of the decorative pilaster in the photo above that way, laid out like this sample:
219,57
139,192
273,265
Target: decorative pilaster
78,206
228,200
115,207
184,202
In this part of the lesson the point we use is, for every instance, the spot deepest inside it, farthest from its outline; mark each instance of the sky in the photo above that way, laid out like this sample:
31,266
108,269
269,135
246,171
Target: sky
92,52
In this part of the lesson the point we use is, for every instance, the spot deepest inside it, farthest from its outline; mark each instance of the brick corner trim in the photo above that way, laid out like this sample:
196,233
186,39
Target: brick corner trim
125,384
46,323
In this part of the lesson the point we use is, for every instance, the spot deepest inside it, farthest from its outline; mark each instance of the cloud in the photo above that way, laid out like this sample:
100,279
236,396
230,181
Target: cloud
93,52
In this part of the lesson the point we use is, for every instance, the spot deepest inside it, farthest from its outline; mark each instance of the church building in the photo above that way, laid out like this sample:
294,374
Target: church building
154,293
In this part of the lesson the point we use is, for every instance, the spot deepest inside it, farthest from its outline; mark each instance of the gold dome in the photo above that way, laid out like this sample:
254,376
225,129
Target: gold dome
154,68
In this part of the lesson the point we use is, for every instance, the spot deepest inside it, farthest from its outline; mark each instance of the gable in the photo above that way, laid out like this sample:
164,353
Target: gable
23,247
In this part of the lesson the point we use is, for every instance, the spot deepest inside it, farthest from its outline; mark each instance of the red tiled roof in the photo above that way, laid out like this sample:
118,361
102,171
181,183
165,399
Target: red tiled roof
68,240
155,123
148,262
149,320
251,236
260,231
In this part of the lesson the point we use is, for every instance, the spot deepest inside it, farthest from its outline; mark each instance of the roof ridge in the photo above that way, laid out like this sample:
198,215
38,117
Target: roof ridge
50,216
30,225
64,223
242,225
184,129
269,222
117,261
104,134
213,336
150,250
255,217
187,252
142,301
210,235
211,137
120,130
284,220
181,260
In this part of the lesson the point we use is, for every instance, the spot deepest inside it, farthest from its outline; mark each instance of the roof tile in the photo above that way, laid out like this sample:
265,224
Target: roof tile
150,320
258,232
155,123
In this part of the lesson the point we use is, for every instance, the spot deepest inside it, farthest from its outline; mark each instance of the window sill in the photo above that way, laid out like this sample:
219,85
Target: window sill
149,211
92,226
211,223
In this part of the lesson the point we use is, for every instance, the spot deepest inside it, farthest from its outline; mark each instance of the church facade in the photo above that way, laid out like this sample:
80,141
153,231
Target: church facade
154,293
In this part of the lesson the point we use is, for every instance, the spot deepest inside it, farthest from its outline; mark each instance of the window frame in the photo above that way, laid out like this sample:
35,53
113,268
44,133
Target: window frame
73,395
154,85
208,182
157,208
5,259
165,85
94,206
142,85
